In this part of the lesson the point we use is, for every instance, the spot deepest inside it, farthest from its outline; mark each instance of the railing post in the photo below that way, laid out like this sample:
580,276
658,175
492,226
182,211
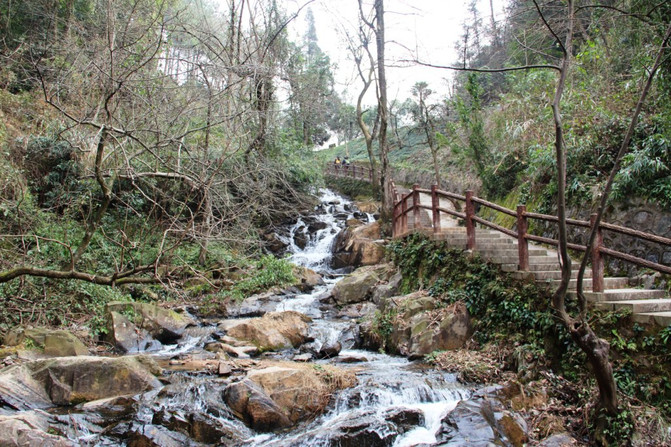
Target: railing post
415,207
435,204
354,171
404,213
370,175
522,243
597,261
470,223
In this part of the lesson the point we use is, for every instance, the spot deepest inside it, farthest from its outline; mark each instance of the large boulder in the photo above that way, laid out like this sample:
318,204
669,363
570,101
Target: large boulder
360,284
419,325
29,428
127,337
274,331
254,407
280,395
358,245
72,380
482,421
53,343
164,325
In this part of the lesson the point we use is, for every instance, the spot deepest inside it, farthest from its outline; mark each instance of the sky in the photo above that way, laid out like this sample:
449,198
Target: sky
423,29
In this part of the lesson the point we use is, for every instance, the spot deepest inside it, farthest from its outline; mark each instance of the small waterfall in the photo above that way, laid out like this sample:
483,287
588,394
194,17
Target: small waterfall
386,384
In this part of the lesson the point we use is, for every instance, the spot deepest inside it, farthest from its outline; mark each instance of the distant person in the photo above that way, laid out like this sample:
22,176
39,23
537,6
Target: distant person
337,163
346,162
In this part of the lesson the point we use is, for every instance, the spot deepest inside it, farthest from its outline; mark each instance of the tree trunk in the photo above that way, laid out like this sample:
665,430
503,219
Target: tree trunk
387,199
582,334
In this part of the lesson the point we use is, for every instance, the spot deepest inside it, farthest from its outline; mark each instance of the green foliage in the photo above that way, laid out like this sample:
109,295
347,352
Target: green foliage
52,170
646,172
383,326
262,275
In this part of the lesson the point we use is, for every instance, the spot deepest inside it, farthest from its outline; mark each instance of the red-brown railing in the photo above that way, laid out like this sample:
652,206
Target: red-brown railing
404,204
411,203
350,170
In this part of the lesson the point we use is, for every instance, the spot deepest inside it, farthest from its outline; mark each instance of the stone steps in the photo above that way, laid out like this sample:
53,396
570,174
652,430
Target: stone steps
638,306
647,306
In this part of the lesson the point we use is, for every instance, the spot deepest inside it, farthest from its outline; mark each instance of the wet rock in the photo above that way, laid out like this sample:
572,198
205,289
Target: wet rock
249,403
241,351
273,331
466,425
302,357
104,412
156,436
356,311
224,369
284,394
351,359
559,440
274,243
71,380
357,246
328,351
164,325
127,337
307,279
404,419
254,305
53,343
29,428
200,427
361,430
482,421
359,286
299,392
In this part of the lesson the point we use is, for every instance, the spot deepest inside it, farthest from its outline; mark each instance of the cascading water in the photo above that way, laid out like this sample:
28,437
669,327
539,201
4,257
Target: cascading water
386,385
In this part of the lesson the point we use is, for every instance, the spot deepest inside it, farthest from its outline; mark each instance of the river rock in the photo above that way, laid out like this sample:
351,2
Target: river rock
357,246
164,325
359,285
253,406
273,331
53,343
254,305
307,279
149,435
127,337
482,421
371,429
29,428
282,394
420,328
71,380
329,350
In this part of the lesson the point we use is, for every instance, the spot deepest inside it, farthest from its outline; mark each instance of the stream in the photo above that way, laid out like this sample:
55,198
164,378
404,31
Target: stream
396,402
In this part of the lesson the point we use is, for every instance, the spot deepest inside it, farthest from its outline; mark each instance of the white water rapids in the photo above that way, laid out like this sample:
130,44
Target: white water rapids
385,383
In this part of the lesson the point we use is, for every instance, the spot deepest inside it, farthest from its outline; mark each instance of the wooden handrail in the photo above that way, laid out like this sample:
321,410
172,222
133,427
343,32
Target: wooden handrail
404,204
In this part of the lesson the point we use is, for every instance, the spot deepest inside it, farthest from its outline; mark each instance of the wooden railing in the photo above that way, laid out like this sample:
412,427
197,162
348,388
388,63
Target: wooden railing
405,204
350,170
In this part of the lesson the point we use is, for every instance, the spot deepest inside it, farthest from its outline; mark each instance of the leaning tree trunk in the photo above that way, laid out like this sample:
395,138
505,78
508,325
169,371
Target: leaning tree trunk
595,348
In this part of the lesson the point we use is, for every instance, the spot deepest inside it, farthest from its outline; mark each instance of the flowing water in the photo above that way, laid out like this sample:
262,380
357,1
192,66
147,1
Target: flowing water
389,388
385,383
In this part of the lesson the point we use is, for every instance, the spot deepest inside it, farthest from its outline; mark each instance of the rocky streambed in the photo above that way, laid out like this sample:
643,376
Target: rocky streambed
297,368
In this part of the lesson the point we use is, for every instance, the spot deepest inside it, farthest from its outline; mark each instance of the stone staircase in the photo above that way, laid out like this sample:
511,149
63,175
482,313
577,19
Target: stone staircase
647,306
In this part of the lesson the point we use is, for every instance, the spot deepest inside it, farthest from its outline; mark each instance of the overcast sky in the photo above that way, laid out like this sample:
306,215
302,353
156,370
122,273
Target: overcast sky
427,28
